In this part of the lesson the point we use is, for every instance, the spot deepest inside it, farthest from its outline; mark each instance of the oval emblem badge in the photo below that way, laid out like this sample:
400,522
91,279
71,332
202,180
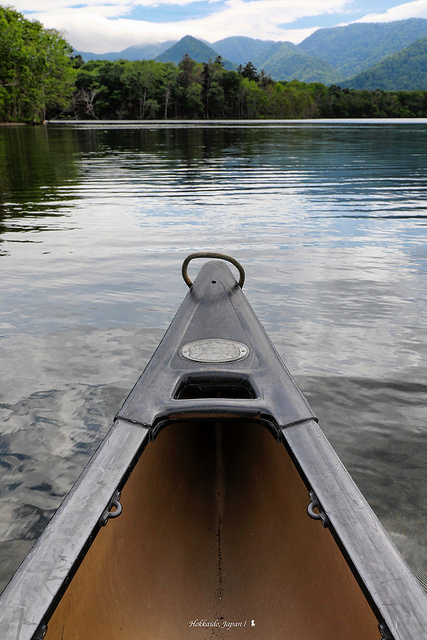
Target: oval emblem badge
214,350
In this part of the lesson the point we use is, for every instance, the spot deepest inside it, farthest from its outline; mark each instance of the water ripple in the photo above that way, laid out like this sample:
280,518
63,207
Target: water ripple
329,221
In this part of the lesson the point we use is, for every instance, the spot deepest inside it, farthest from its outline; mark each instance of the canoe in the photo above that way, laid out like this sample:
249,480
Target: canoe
214,508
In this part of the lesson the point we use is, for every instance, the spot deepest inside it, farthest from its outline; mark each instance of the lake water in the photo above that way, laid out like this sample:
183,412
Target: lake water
330,222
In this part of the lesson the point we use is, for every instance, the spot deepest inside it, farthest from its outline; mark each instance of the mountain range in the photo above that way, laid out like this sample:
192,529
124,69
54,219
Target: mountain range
390,56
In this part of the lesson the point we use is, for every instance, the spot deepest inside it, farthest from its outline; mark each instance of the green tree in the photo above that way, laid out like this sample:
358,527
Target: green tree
213,94
252,99
139,79
168,82
248,71
56,76
228,82
190,88
87,91
36,72
279,105
207,76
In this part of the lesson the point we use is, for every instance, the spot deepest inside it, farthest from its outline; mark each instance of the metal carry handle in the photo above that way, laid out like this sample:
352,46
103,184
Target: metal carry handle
209,254
109,513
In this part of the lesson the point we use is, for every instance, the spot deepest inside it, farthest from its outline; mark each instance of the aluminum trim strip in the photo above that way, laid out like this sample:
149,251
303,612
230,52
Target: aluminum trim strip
29,595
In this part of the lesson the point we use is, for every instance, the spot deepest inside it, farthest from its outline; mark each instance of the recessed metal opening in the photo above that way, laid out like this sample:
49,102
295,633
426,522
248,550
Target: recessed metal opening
201,388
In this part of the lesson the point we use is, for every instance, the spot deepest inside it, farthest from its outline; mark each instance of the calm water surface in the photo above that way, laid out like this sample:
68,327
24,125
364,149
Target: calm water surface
330,222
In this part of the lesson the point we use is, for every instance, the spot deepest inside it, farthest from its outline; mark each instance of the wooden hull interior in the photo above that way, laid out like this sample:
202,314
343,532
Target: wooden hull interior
214,542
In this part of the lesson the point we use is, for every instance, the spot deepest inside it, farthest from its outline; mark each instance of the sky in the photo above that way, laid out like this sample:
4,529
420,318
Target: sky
102,26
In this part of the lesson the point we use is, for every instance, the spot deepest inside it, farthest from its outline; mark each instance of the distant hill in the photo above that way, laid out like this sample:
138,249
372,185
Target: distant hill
240,49
144,52
405,70
196,49
357,47
284,61
384,55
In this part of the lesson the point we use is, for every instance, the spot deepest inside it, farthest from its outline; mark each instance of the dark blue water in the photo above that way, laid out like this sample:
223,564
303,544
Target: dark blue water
330,222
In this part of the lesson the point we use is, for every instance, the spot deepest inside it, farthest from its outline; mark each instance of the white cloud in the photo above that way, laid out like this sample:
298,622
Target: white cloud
416,9
62,8
105,34
101,27
181,3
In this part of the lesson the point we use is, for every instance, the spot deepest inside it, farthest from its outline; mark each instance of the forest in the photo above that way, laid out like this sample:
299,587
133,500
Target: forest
141,90
41,79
